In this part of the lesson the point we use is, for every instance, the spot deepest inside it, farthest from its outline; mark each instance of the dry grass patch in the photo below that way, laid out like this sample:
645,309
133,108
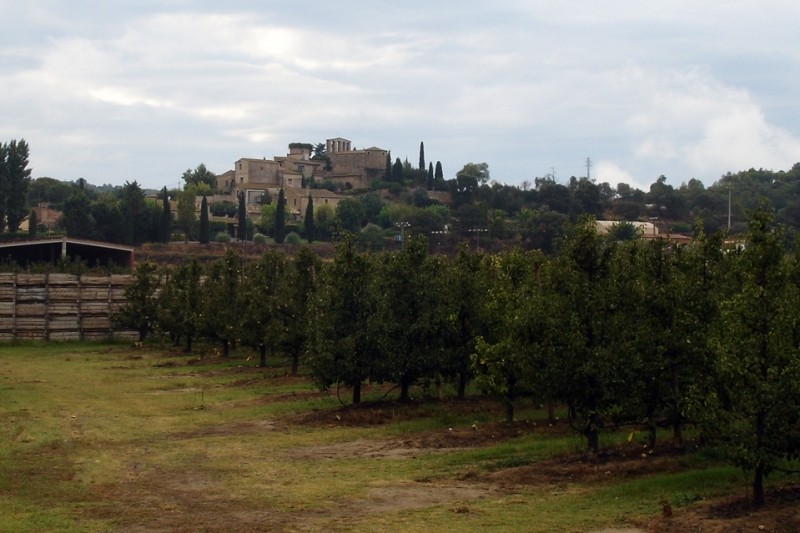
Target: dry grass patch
112,438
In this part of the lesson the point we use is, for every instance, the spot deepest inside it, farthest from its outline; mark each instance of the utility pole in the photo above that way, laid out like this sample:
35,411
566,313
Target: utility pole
589,169
729,207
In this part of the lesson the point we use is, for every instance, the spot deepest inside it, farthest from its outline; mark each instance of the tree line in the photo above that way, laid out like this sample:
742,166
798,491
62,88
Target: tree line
531,215
636,333
14,180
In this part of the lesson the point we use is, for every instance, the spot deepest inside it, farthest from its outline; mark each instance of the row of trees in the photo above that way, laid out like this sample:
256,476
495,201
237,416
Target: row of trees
122,215
637,333
14,181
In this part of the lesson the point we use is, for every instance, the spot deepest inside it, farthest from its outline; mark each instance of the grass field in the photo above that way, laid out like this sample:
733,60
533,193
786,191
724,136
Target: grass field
107,437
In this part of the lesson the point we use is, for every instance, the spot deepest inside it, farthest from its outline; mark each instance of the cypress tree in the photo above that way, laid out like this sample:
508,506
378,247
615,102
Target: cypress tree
204,225
17,179
388,174
3,185
308,221
438,176
397,171
166,217
422,157
280,218
241,231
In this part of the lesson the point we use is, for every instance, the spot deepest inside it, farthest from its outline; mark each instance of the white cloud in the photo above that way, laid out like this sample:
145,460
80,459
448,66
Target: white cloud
607,171
525,86
743,139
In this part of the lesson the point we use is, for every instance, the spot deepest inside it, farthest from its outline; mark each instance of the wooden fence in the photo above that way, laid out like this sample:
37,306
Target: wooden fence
60,306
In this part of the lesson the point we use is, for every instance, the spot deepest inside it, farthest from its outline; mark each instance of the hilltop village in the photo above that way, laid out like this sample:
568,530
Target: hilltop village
340,163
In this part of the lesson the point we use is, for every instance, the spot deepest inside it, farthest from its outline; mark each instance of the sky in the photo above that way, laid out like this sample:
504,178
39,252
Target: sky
122,91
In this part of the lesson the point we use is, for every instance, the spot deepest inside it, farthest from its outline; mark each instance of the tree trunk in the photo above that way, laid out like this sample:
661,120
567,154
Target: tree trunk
462,386
758,477
295,363
405,384
677,417
508,399
508,403
188,347
758,486
651,436
593,439
593,433
677,436
226,348
357,393
551,412
262,355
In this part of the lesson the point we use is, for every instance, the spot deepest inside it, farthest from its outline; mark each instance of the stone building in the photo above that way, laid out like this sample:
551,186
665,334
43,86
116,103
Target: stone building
346,166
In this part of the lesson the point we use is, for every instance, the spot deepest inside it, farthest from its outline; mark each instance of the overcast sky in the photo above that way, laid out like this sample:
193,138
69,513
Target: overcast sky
122,91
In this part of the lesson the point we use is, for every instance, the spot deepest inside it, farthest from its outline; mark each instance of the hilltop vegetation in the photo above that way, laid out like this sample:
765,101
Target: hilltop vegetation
470,205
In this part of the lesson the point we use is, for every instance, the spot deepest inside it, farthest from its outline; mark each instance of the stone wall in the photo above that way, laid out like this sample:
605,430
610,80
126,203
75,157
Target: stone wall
60,306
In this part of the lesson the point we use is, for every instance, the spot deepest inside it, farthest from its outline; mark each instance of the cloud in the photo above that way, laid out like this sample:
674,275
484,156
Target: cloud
742,139
611,173
525,86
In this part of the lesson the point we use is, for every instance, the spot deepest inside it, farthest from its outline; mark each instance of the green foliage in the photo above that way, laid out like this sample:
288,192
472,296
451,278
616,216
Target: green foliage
141,307
371,238
33,224
473,174
397,172
221,302
308,220
513,349
624,231
759,361
638,333
205,229
186,211
300,286
324,219
165,226
408,321
279,227
222,237
342,347
15,178
77,217
179,309
241,218
200,176
350,214
262,301
223,209
588,378
293,238
134,214
438,177
49,191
